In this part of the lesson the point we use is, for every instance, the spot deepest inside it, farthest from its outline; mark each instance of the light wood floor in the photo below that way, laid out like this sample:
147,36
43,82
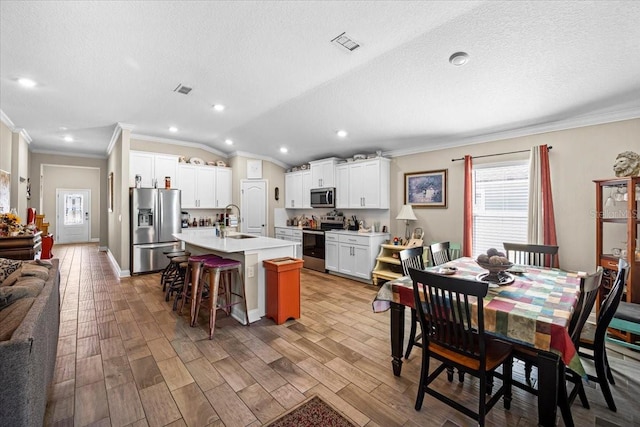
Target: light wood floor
125,358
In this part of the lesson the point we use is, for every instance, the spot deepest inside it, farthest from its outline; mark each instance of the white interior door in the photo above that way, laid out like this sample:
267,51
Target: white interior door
254,207
72,213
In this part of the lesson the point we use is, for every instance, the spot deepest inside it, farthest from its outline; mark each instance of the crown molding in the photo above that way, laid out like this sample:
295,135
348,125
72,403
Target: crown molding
63,153
573,123
6,120
258,157
180,143
24,134
116,133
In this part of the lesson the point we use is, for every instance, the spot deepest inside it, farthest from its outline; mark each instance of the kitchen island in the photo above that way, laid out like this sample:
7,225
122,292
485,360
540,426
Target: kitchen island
248,249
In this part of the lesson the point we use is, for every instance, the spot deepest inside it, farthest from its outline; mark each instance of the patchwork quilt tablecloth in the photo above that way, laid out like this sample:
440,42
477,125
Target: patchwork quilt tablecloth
534,310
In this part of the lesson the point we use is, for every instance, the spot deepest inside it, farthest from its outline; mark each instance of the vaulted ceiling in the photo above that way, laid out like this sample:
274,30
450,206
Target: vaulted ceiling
533,66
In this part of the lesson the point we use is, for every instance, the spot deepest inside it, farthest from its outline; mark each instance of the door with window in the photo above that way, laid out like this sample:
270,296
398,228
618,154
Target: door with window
72,213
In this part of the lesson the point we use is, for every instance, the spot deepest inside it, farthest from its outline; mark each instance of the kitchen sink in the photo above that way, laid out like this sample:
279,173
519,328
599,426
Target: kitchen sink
241,236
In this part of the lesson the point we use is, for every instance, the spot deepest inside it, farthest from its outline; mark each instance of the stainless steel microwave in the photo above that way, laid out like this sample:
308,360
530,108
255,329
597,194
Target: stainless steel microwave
323,198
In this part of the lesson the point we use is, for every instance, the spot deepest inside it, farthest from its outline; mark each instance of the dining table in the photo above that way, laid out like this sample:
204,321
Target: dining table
532,309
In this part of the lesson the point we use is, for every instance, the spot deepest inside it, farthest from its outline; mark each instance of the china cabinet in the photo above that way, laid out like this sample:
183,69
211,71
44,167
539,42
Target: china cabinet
617,235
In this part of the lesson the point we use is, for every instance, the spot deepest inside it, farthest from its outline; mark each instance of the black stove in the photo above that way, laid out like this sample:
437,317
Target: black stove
313,249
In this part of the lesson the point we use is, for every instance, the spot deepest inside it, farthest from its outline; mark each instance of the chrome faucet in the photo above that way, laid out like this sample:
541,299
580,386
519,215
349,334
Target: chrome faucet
233,206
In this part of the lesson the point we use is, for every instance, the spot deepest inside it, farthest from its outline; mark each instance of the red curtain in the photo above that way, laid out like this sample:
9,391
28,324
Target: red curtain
548,217
467,235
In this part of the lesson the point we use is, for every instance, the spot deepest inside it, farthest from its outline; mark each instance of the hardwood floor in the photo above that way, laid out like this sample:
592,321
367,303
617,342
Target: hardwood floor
125,358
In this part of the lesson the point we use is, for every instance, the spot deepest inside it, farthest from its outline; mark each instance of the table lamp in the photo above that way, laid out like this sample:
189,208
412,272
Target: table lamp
406,213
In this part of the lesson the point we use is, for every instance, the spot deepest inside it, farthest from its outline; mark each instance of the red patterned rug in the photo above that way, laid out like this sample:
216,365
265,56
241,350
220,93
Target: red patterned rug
312,412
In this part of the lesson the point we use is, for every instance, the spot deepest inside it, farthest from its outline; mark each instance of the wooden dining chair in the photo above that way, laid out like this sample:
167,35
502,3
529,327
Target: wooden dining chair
439,253
412,258
456,337
593,338
526,254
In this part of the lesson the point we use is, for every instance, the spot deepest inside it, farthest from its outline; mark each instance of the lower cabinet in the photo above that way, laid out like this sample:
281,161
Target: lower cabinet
351,253
292,235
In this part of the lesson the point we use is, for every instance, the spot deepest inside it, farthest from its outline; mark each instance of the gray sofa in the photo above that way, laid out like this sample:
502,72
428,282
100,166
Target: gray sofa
28,358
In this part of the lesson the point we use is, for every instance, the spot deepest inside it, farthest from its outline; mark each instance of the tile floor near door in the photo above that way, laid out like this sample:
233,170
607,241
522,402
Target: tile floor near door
125,358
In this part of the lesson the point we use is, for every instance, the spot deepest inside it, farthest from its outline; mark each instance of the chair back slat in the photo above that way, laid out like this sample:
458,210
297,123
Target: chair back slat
589,288
448,314
412,258
439,253
536,255
611,302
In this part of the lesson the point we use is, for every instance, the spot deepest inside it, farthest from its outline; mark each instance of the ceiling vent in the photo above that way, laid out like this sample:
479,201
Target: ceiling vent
183,89
346,42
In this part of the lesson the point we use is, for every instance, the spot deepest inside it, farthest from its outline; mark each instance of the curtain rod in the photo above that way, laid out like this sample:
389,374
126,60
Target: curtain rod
497,154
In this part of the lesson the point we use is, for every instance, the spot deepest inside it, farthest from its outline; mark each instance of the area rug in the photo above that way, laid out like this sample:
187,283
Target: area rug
312,412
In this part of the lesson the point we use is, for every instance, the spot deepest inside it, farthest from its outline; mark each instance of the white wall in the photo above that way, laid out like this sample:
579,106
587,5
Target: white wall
578,157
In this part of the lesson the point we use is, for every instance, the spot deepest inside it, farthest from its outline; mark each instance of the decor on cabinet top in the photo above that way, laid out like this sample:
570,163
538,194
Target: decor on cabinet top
627,164
196,161
426,189
303,167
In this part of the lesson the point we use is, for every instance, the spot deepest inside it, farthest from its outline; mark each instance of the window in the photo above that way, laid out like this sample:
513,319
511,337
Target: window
73,209
500,205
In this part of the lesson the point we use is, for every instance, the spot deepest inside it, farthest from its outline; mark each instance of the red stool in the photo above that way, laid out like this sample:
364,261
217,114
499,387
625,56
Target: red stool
221,293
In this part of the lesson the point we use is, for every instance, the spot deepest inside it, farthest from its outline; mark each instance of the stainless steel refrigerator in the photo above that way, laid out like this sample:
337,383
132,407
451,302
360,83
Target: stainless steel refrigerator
155,216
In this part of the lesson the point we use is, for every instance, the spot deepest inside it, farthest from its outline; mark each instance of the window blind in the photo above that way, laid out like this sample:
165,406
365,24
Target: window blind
500,194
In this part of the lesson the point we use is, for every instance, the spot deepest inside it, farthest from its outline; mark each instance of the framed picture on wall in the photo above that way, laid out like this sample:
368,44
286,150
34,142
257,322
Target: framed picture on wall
110,191
426,189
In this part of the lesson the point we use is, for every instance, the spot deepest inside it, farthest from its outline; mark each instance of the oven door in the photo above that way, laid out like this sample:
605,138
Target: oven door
313,249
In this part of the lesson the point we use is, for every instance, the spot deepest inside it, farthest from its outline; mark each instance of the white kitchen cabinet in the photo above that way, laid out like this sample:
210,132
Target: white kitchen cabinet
223,187
292,235
200,187
152,168
297,190
331,254
363,184
323,173
352,253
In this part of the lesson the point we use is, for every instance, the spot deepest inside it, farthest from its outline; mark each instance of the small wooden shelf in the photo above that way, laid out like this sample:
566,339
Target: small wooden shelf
388,266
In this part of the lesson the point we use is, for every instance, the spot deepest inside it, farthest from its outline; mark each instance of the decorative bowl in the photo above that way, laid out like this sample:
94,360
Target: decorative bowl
496,274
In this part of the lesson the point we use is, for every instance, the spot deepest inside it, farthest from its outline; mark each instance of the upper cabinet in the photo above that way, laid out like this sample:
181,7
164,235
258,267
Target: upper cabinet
297,189
152,168
363,184
206,187
323,173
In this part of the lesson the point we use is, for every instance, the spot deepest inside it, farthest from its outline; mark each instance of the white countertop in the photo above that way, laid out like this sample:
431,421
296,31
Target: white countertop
206,238
357,233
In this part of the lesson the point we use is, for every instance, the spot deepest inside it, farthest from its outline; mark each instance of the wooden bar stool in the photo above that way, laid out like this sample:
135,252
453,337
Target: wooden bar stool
174,281
167,274
190,287
219,272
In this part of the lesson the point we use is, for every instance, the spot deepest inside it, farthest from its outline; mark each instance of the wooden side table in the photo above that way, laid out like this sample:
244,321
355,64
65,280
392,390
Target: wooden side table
21,247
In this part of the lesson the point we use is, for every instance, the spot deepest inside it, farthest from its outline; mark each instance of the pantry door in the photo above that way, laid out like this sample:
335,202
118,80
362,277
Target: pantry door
72,213
254,207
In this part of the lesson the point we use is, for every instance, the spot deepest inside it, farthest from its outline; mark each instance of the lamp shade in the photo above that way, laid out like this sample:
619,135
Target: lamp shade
406,213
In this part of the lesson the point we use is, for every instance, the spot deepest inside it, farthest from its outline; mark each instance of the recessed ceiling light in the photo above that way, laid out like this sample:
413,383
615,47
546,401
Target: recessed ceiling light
228,141
173,129
459,58
284,150
219,107
342,133
26,82
68,138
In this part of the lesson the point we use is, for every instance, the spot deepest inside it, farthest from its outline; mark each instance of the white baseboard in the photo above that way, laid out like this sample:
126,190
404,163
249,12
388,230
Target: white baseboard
95,239
103,249
121,273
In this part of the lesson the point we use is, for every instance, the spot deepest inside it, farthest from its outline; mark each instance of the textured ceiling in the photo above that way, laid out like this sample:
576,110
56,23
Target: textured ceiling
533,66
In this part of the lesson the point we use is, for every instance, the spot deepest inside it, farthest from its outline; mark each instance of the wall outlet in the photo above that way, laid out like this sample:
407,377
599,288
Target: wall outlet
251,272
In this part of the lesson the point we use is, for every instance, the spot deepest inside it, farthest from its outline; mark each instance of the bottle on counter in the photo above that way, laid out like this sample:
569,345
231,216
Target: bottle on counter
195,222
